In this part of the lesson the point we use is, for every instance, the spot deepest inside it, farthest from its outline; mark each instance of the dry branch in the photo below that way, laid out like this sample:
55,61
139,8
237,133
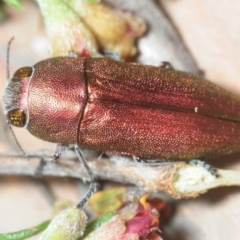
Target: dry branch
179,179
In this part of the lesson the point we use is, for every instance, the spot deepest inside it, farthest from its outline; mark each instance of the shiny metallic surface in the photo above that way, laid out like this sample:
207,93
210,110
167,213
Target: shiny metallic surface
150,132
131,109
159,87
56,99
155,112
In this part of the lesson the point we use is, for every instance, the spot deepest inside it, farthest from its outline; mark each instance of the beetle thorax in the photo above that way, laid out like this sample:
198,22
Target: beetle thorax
57,97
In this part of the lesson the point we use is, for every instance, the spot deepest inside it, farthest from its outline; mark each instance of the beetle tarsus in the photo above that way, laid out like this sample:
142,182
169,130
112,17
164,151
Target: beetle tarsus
112,55
103,155
92,186
72,53
144,160
208,167
56,154
39,169
166,65
152,162
136,159
58,151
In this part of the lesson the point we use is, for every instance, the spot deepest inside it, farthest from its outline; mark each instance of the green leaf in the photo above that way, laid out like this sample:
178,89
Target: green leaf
109,200
2,14
94,1
14,3
23,234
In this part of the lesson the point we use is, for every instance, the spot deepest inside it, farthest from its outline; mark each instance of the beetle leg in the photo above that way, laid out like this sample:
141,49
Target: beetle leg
92,186
152,162
208,167
166,64
72,53
144,160
112,55
38,171
136,159
101,155
56,154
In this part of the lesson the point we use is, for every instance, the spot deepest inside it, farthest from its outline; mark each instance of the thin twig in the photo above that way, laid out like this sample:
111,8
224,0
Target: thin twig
179,179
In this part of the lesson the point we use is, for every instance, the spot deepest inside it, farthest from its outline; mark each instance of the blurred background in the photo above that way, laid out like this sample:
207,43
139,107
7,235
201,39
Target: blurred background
193,36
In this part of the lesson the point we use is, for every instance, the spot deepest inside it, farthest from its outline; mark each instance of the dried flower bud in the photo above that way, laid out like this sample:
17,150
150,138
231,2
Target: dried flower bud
128,226
66,31
68,225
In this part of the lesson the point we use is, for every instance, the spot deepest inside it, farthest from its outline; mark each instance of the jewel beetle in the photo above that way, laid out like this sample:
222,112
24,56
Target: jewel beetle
124,108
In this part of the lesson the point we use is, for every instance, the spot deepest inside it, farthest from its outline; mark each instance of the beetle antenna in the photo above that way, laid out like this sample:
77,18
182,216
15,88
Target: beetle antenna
16,140
8,76
8,54
92,186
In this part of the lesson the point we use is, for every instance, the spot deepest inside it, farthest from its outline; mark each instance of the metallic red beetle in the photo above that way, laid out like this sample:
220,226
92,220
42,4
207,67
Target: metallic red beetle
123,108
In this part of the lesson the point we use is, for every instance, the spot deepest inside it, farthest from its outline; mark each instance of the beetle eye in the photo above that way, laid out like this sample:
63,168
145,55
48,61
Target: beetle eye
17,118
23,72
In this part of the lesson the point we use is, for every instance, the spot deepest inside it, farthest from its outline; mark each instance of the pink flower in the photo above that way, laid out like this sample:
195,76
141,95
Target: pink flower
128,226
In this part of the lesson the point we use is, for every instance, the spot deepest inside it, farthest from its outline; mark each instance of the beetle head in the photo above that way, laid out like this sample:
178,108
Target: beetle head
15,97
